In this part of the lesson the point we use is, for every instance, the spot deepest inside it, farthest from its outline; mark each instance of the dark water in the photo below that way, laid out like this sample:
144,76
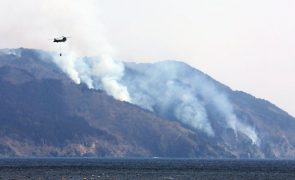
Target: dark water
169,169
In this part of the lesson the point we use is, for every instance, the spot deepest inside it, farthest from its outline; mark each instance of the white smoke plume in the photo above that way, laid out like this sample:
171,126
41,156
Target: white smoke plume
174,89
223,105
165,88
34,24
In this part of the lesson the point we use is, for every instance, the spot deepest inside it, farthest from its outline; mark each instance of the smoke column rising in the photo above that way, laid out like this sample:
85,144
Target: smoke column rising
35,23
164,89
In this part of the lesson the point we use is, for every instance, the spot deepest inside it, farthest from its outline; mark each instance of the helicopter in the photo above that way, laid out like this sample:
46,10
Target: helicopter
61,39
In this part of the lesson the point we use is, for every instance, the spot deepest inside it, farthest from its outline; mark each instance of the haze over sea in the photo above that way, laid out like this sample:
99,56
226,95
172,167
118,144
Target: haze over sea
156,168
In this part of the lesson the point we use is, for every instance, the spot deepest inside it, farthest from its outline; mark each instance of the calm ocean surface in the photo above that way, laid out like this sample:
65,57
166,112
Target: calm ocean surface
89,168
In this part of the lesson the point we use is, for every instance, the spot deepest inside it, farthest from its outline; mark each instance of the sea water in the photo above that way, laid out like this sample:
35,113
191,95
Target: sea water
155,168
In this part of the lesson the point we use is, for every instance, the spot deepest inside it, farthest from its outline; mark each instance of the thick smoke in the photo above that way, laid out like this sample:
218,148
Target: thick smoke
96,72
34,24
169,89
176,90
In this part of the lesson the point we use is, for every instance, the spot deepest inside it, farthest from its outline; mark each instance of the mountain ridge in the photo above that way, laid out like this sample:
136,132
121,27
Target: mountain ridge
36,95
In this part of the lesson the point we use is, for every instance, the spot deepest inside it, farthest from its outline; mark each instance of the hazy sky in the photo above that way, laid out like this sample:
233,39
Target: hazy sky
248,45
